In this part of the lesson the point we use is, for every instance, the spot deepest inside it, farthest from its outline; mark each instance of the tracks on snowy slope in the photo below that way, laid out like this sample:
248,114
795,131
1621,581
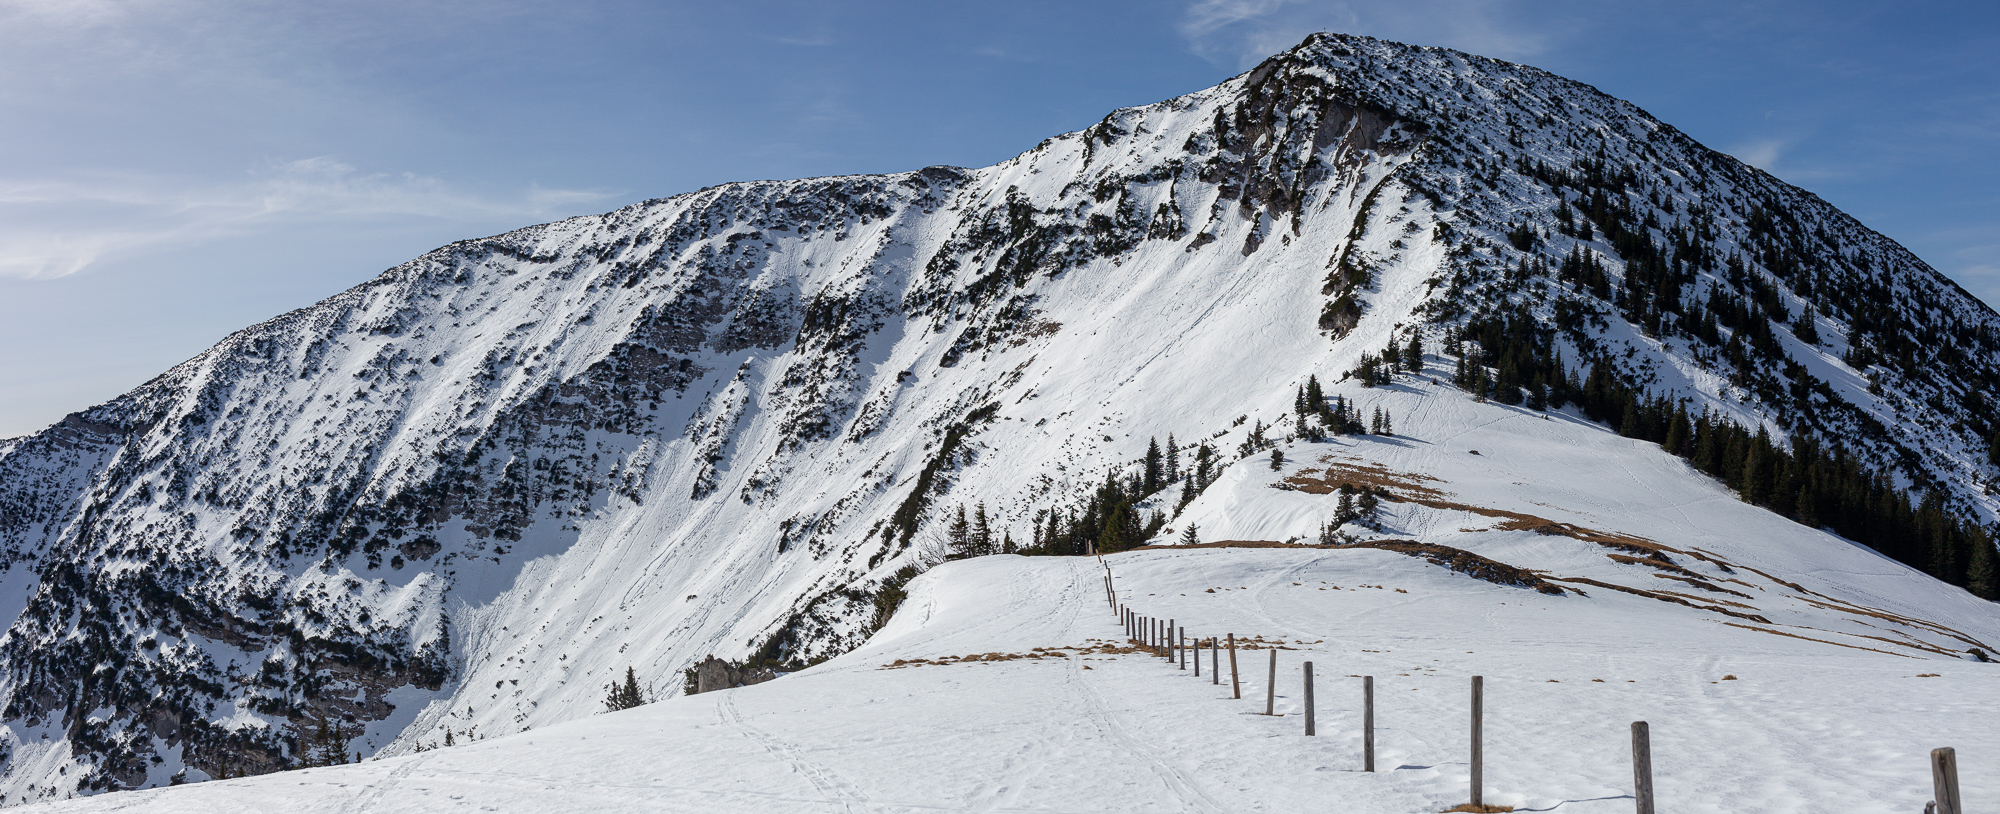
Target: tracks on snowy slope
372,794
1101,717
826,781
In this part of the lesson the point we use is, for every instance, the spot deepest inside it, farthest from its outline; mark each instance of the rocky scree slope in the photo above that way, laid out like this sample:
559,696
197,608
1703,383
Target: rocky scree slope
459,499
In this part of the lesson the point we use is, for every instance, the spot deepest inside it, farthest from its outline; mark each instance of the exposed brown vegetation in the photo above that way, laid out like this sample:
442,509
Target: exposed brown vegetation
1663,597
1821,641
1469,564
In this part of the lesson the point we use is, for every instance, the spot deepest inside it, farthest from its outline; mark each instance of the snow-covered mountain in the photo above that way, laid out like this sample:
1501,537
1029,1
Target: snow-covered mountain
463,497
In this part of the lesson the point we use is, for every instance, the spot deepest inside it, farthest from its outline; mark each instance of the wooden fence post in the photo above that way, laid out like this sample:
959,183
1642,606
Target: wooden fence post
1235,683
1309,698
1478,756
1368,723
1214,662
1271,686
1170,640
1181,639
1642,767
1197,657
1944,780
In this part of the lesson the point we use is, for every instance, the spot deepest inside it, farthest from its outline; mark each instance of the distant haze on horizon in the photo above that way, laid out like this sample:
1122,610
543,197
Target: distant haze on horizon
176,170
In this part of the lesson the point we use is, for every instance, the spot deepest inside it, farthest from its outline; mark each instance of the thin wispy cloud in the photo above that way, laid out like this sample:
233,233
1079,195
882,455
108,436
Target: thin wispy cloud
57,228
1762,154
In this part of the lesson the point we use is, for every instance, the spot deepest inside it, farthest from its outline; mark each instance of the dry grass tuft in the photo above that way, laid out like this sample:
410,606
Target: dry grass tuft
1479,809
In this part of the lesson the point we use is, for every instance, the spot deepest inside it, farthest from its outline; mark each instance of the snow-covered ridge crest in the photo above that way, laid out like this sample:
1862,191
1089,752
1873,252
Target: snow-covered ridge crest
465,495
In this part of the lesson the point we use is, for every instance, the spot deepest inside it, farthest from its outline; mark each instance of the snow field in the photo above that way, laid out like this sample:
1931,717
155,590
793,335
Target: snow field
1806,727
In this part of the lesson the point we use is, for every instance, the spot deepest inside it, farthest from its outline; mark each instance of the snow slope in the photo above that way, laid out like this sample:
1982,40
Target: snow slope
464,496
1811,723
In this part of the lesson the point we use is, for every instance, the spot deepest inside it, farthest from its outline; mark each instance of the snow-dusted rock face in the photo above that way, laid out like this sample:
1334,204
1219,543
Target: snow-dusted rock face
465,496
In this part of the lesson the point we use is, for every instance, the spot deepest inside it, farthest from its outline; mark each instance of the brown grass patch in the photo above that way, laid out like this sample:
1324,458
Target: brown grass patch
1821,641
1663,597
1469,564
1488,809
1707,586
1039,653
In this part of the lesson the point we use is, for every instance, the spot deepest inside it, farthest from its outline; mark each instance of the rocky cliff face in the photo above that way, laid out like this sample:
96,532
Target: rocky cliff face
465,496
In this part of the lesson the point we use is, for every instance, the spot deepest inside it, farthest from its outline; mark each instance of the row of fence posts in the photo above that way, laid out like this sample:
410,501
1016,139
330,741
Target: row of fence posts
1168,640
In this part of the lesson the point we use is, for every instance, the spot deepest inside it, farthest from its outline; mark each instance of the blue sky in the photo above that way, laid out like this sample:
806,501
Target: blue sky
171,170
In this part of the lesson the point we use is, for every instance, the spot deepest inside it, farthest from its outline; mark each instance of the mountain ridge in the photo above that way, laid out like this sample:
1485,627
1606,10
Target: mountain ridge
818,365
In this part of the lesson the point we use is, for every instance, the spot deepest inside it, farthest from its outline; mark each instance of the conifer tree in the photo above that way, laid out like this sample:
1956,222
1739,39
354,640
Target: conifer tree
1203,465
1982,573
1806,327
982,532
1173,460
959,535
626,695
1007,543
1367,506
1277,459
1315,398
1191,536
1155,474
1388,424
1413,353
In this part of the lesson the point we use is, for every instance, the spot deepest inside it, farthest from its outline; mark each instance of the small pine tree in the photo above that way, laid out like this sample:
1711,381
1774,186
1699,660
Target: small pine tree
1388,424
1173,461
1277,459
1155,475
1191,536
959,535
1007,543
623,696
1375,421
982,532
1413,354
1806,327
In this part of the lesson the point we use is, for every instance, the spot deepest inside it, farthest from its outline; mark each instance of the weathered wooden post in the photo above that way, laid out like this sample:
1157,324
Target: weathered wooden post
1181,639
1478,756
1197,657
1368,723
1271,686
1944,780
1309,698
1235,683
1170,640
1214,662
1642,767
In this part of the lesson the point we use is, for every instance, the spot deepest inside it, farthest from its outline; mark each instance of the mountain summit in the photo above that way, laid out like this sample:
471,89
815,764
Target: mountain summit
459,500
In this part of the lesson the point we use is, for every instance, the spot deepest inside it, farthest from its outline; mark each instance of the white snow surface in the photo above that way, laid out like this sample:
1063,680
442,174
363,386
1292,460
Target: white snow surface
1835,702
